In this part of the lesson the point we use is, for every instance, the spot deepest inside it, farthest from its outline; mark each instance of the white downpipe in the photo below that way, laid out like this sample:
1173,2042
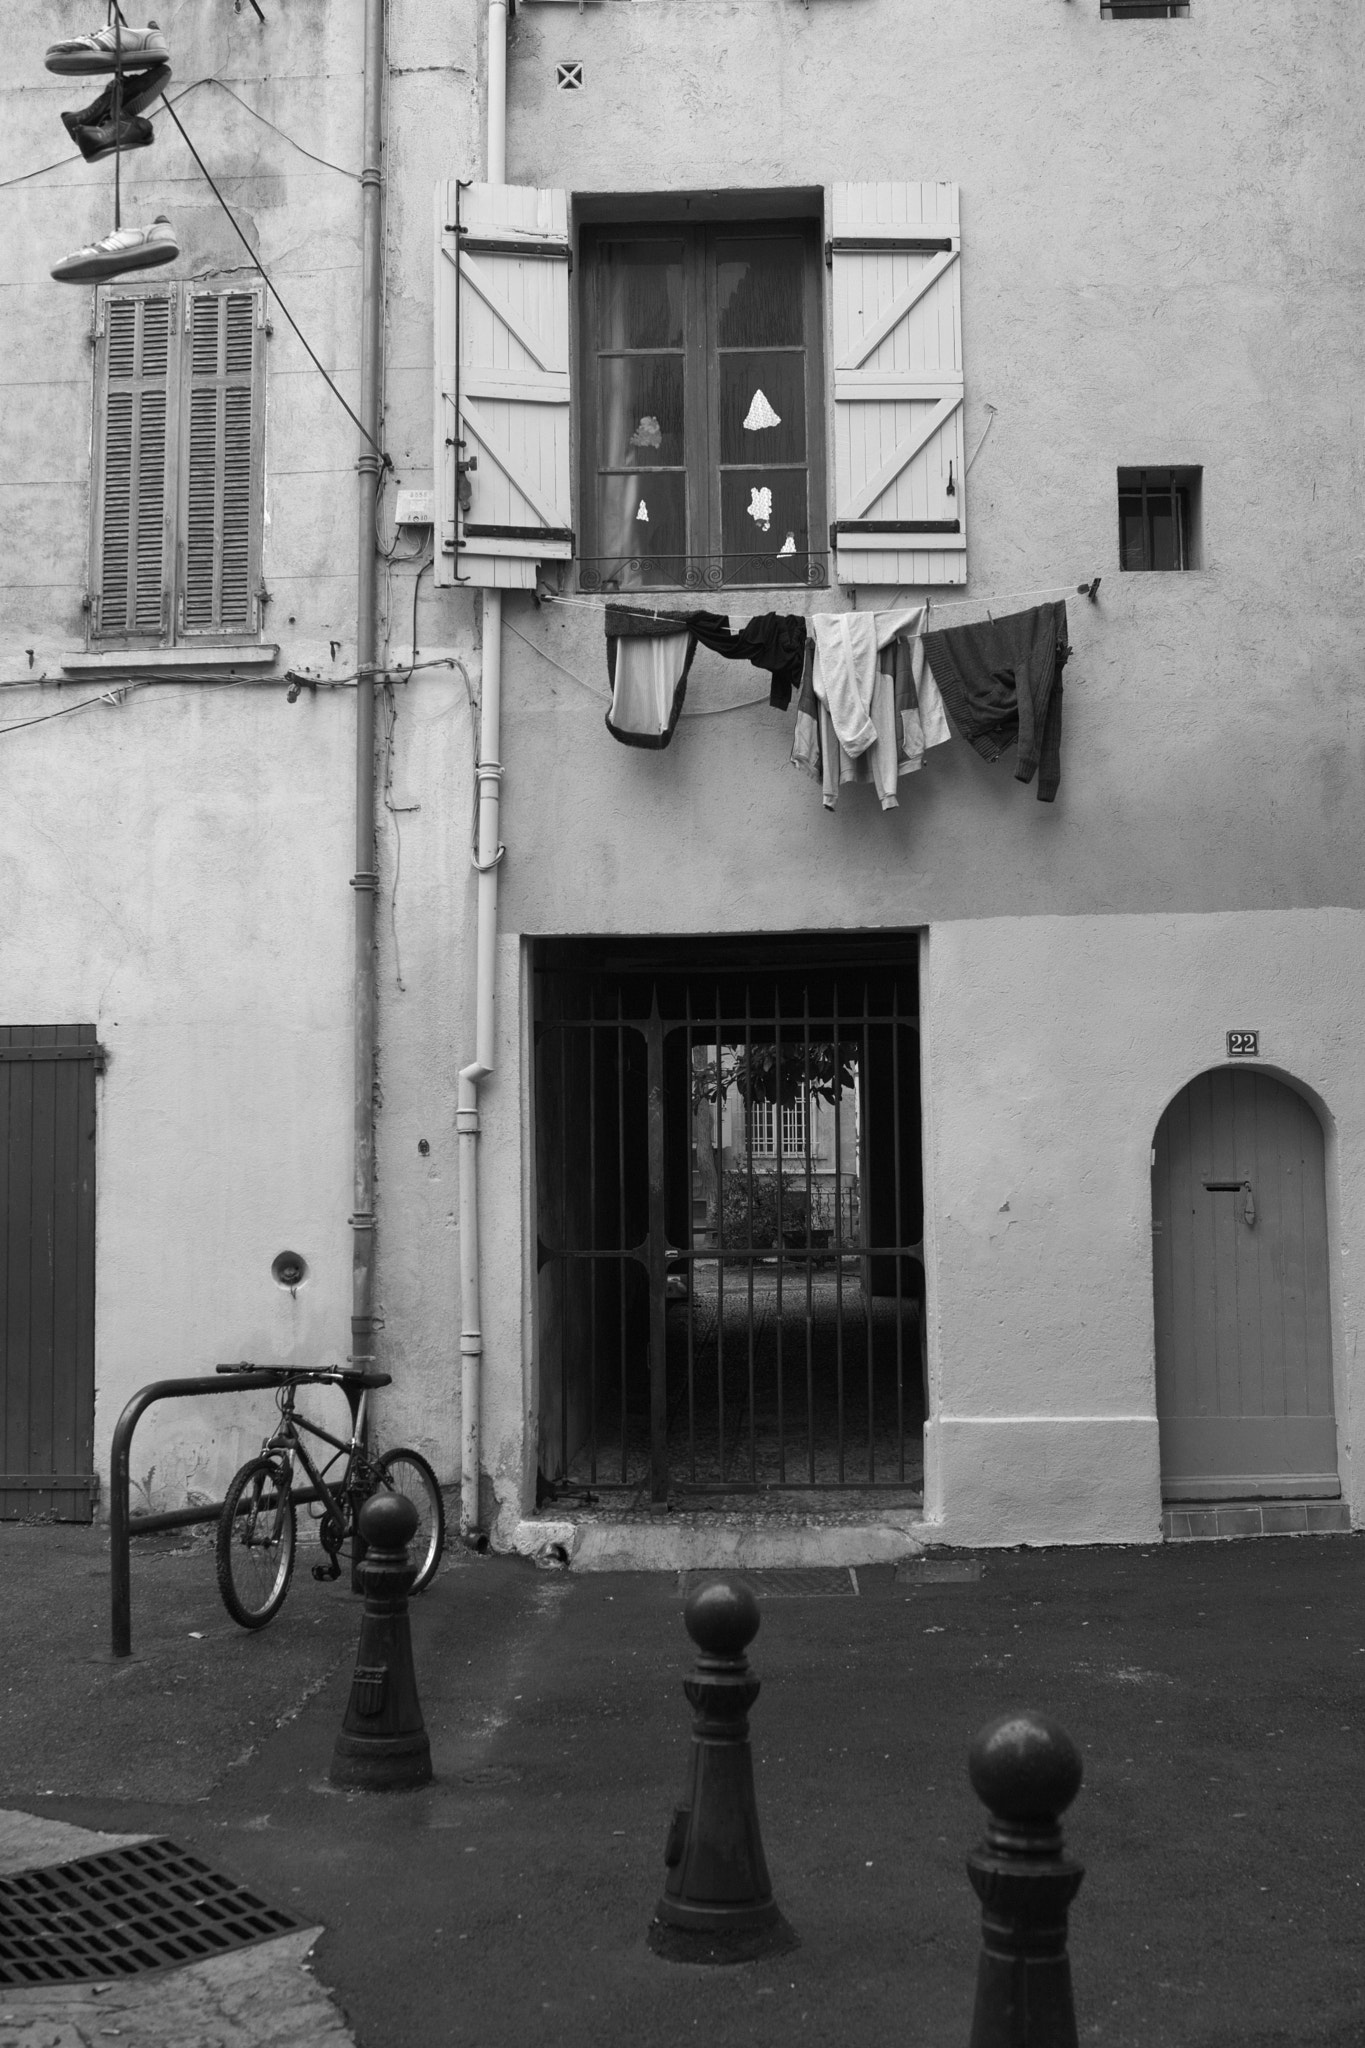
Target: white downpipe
487,857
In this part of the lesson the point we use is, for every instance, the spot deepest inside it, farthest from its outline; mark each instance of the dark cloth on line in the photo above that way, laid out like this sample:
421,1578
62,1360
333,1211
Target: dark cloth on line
1001,681
649,655
773,640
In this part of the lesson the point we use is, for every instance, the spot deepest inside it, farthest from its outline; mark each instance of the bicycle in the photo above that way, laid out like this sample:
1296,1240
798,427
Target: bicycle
258,1530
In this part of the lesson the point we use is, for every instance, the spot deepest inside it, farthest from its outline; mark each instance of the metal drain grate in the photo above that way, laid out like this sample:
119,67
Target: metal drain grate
826,1582
143,1908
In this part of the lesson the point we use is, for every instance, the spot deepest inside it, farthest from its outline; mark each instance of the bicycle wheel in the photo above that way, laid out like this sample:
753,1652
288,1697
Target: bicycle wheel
408,1473
256,1541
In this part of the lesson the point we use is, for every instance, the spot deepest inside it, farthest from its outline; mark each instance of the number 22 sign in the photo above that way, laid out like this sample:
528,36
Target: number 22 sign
1242,1044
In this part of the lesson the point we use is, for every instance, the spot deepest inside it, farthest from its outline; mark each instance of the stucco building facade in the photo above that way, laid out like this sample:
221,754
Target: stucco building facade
1151,242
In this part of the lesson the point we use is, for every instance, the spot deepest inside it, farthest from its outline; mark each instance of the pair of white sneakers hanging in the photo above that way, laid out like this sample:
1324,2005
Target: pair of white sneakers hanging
132,51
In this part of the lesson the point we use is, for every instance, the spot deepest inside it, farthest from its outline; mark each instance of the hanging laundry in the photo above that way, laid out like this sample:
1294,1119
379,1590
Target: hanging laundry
649,655
774,640
760,415
649,434
761,506
124,249
906,713
1001,680
846,645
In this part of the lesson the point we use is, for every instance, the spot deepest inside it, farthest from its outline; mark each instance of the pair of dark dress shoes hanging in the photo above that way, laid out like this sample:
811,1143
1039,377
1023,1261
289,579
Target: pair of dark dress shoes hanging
142,55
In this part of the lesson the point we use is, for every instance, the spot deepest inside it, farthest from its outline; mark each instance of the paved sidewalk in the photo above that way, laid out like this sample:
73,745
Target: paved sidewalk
1216,1692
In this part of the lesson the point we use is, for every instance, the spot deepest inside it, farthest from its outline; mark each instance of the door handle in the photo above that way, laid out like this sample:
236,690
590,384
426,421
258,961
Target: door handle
1236,1187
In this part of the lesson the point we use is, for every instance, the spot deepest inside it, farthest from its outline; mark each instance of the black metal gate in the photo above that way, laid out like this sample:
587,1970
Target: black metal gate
731,1281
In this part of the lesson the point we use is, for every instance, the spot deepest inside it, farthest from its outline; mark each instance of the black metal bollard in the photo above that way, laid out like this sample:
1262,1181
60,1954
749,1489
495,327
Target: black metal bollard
1027,1770
717,1904
383,1744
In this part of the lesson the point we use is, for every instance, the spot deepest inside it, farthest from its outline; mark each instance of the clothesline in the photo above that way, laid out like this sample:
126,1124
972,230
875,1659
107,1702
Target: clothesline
999,597
595,690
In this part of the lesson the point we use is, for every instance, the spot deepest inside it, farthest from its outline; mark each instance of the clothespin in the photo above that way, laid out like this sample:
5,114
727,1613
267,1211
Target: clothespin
1088,590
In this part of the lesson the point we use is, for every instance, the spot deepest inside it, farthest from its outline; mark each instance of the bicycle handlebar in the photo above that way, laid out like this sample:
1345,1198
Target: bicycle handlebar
332,1375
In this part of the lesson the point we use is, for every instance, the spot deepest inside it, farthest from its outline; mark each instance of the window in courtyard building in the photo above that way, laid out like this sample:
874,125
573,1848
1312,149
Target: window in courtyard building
1159,518
1143,10
176,494
763,1128
703,440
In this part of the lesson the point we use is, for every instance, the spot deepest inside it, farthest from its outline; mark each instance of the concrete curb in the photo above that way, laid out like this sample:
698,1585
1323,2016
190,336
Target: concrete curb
684,1543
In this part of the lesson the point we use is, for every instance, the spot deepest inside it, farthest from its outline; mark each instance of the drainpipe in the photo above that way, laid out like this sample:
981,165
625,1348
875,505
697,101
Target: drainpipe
487,857
365,881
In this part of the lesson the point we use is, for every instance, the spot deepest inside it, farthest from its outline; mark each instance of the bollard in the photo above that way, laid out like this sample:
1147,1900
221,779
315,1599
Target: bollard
717,1904
383,1743
1027,1770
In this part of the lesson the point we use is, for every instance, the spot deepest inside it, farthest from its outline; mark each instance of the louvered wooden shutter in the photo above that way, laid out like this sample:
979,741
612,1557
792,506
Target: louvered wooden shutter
900,494
221,464
134,438
502,345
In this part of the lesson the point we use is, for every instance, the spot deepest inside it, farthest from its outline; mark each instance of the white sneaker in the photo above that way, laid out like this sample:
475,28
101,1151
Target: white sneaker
124,249
99,51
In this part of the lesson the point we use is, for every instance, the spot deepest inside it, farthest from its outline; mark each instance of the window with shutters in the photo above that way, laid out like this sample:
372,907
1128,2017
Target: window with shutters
702,405
177,490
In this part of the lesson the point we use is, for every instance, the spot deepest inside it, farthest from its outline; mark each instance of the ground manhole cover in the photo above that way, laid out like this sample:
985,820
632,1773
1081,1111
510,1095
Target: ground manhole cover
142,1908
938,1571
819,1582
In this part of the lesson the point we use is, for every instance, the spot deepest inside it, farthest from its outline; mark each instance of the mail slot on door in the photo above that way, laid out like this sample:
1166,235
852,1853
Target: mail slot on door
1236,1187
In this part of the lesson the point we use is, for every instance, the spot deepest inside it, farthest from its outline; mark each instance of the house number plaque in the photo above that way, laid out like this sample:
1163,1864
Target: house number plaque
1242,1044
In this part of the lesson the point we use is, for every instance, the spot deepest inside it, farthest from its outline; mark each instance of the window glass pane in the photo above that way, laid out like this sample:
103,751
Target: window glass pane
760,301
763,407
641,295
1132,554
1161,531
640,406
642,529
764,525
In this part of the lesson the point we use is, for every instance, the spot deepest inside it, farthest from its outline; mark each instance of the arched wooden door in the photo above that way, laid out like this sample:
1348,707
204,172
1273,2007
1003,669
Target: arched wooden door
1243,1335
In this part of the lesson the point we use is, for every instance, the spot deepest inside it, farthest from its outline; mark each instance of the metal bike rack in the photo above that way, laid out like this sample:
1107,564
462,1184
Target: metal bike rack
122,1525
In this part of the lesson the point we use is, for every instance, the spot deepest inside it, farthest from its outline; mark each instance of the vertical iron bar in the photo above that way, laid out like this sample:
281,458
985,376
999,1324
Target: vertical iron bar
810,1243
569,1262
866,1236
692,1248
658,1260
720,1261
896,1114
839,1227
781,1240
592,1236
749,1148
621,1219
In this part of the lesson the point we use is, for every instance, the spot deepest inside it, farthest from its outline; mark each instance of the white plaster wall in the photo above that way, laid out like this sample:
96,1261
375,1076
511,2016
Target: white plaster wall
1052,1046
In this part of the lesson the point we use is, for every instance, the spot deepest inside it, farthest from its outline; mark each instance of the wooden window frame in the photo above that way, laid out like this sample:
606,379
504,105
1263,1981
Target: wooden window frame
173,631
706,563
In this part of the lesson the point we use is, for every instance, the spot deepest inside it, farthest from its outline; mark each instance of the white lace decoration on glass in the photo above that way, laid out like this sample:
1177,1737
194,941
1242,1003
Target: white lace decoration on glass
648,434
788,546
760,415
642,511
761,506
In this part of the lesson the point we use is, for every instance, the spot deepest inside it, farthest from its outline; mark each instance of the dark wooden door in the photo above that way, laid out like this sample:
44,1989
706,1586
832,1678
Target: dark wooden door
47,1270
1243,1335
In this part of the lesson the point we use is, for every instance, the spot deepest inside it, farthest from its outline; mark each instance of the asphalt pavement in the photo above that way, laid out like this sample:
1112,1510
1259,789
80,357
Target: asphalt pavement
1215,1691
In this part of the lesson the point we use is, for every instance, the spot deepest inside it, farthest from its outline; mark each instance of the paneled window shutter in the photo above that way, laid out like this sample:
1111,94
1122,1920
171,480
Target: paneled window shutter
502,370
899,489
131,555
220,533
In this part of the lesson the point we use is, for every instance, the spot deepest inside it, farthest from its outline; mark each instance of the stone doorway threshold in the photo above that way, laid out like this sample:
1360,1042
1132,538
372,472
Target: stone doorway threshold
768,1531
1205,1521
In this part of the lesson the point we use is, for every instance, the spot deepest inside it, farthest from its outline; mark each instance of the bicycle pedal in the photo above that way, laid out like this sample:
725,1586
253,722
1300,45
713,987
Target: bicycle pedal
326,1571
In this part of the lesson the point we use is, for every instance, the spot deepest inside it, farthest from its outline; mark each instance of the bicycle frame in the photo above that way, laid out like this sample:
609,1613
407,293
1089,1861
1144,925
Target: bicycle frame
288,1439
